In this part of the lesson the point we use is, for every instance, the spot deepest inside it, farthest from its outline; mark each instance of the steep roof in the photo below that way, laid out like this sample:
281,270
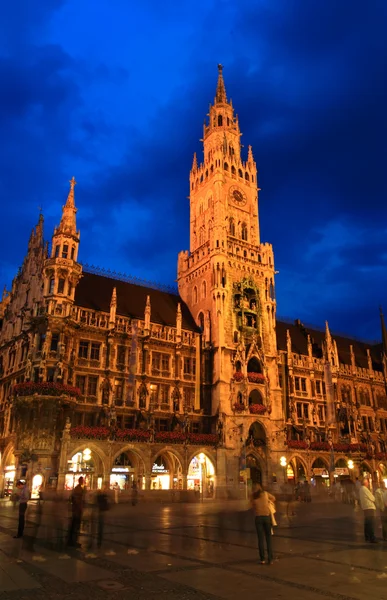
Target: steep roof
298,334
95,291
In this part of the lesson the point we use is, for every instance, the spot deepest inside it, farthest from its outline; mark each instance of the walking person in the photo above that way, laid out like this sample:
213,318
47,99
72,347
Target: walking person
260,501
381,504
23,497
102,506
367,504
77,505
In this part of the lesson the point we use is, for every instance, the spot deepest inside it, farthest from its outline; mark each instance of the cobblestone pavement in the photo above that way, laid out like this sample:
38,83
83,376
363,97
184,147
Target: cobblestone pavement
201,551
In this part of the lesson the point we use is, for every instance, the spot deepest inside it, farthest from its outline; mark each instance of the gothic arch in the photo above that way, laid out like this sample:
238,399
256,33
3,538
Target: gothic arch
200,450
255,397
96,450
174,459
254,365
128,449
296,458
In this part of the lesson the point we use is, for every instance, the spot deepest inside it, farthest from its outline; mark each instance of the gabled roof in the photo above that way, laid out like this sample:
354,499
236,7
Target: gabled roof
95,291
298,334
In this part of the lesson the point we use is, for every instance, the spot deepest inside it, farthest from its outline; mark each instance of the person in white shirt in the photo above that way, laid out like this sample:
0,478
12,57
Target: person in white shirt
381,504
367,504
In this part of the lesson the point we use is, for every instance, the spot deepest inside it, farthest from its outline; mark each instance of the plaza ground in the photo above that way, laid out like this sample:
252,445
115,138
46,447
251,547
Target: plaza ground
193,551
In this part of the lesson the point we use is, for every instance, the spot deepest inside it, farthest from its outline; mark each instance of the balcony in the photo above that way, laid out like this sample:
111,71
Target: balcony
46,388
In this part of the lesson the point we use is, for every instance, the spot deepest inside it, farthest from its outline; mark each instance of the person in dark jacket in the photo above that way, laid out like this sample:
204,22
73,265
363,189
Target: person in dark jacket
77,505
23,496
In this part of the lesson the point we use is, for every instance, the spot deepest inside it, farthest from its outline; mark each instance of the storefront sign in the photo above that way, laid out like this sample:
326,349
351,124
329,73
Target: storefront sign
120,470
341,471
159,469
320,473
10,468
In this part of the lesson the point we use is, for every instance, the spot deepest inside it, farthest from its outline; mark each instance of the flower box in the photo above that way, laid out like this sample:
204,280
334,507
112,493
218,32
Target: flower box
172,437
358,447
341,448
256,377
257,409
238,376
238,407
320,446
205,439
136,435
90,433
46,388
297,444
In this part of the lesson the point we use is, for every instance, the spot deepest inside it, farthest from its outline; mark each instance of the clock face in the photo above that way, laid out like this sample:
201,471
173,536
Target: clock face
237,196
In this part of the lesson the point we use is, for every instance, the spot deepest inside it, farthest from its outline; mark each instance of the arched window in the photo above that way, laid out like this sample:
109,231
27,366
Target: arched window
206,174
195,295
200,208
72,252
240,173
204,290
247,177
236,340
238,365
212,168
202,235
220,120
255,397
225,166
244,231
232,227
233,170
231,150
254,366
201,321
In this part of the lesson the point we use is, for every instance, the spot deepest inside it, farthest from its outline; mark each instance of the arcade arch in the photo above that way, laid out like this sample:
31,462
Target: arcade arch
128,470
166,471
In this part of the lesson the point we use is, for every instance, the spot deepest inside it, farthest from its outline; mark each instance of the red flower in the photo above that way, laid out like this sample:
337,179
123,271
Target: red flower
322,446
138,435
257,409
206,439
175,437
46,388
256,377
238,376
239,407
297,444
90,433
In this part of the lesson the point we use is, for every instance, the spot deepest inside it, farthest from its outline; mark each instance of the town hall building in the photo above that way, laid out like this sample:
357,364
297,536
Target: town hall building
196,391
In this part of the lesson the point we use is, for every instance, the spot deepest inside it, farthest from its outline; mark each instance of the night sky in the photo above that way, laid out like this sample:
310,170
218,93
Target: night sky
115,92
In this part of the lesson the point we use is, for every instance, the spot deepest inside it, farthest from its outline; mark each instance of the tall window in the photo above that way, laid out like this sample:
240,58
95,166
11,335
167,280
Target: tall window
92,386
204,290
95,350
65,251
83,350
244,231
80,383
232,227
195,295
54,342
61,284
189,367
121,356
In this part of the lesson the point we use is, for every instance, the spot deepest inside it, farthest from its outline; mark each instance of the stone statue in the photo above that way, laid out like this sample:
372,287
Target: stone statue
28,371
67,424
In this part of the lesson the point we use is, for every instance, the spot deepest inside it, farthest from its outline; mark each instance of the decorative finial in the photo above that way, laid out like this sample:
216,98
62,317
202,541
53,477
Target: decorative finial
220,68
220,88
73,183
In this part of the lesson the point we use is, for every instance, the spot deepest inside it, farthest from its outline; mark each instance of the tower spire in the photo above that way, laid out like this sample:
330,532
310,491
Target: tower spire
68,221
384,331
220,88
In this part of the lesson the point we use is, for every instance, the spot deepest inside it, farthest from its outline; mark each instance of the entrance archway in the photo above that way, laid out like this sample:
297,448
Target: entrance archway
257,434
9,472
87,464
37,485
167,472
320,472
128,471
253,464
201,475
298,469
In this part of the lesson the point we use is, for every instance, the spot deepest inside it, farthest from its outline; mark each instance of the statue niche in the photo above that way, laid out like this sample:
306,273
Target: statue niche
246,306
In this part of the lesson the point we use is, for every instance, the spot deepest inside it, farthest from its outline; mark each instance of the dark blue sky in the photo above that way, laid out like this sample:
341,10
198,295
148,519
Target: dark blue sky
115,93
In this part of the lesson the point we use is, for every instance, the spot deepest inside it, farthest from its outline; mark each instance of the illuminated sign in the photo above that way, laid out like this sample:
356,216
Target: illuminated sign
159,468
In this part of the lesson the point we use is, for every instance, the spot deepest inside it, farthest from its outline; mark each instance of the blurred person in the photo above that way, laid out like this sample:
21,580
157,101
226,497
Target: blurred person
23,496
307,493
116,490
77,500
134,493
367,504
381,504
260,502
103,505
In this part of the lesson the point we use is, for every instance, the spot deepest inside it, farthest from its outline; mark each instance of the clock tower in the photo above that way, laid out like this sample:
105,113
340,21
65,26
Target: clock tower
227,276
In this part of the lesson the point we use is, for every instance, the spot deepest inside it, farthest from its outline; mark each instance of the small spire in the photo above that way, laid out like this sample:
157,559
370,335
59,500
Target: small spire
194,163
147,315
250,157
113,309
220,88
384,331
68,220
70,198
113,301
224,144
178,322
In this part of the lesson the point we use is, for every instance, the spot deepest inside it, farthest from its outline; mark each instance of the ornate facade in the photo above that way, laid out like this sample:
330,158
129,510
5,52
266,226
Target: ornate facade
197,389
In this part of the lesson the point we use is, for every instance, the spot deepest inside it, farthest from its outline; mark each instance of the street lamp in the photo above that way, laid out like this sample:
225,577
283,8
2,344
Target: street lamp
283,463
350,466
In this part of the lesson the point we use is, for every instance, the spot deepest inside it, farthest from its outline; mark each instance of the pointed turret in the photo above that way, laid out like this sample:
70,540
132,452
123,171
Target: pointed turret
113,309
68,221
310,348
178,323
288,343
220,88
250,156
384,332
147,316
352,356
194,163
328,340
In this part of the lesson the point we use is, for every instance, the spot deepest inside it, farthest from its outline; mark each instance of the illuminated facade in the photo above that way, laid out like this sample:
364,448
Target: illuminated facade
196,390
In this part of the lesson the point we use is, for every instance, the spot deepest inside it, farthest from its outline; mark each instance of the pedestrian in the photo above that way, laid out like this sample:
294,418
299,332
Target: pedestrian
367,504
23,497
134,494
381,504
103,506
116,490
260,503
77,500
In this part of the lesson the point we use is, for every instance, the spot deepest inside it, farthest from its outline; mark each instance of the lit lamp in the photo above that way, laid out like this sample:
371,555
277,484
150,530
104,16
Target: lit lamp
283,463
350,466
